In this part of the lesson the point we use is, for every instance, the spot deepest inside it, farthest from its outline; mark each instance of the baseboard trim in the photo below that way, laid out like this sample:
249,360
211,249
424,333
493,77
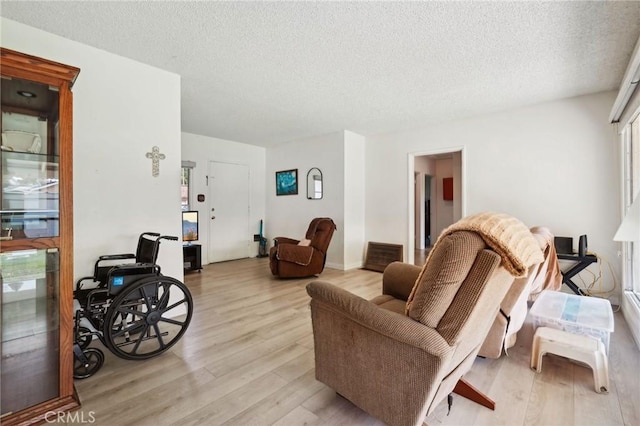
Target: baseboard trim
343,267
338,266
356,265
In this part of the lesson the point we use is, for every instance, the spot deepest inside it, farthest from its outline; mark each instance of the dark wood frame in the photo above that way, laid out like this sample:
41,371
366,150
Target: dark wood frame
285,172
19,65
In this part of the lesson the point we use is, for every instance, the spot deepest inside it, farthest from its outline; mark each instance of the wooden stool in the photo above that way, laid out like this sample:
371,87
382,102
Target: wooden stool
586,349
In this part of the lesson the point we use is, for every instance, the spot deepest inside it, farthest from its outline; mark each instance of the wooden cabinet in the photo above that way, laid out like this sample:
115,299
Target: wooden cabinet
36,240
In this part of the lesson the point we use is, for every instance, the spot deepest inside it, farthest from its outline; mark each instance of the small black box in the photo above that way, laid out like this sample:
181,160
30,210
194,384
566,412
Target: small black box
564,245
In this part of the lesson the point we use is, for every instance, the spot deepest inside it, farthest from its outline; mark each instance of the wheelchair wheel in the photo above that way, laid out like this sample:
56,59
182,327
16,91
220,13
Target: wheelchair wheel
147,317
94,361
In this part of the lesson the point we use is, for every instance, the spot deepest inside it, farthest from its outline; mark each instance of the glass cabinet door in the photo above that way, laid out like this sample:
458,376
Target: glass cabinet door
30,328
30,207
30,245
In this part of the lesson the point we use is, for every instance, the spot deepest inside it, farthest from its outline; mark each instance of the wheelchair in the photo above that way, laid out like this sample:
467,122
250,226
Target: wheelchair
135,311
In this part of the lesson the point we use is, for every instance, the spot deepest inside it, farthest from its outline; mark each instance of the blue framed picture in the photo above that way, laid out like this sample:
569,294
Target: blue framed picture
287,182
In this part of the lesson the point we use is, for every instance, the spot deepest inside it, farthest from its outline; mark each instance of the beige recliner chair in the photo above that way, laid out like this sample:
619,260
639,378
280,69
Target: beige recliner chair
513,308
400,354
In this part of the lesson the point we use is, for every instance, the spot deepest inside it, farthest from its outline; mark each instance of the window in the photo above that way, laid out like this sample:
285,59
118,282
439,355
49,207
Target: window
631,189
626,112
184,188
185,184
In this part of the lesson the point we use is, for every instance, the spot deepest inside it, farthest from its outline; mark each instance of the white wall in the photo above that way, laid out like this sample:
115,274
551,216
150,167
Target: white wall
289,215
457,185
354,202
202,150
551,164
122,108
340,156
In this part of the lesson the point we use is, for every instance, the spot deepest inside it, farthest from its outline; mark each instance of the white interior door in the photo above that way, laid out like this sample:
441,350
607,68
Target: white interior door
229,235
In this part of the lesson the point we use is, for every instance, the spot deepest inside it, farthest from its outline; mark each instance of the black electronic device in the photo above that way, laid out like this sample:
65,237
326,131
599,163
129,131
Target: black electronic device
563,245
582,246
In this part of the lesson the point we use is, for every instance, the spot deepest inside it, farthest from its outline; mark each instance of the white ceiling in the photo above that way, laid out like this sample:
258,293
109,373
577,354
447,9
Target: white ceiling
265,73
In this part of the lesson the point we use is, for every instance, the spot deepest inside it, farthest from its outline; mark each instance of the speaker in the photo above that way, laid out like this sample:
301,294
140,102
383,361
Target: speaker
564,245
582,246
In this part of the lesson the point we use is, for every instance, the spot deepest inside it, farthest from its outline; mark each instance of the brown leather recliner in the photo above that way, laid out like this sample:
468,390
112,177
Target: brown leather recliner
291,258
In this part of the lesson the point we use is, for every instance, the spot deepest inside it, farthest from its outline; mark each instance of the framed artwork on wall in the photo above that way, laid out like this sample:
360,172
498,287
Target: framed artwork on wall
287,182
447,189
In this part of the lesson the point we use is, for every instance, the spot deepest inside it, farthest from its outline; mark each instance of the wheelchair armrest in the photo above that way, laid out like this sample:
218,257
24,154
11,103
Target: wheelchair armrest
117,256
129,268
107,258
79,282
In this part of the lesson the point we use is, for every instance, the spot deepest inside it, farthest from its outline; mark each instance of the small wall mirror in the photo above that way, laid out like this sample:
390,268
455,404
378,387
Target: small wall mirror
314,184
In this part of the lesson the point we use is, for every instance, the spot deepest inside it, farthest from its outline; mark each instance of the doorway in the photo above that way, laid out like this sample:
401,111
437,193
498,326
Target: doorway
229,211
433,208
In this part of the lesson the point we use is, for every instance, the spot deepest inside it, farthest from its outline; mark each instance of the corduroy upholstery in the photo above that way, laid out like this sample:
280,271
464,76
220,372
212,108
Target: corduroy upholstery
441,278
289,259
399,367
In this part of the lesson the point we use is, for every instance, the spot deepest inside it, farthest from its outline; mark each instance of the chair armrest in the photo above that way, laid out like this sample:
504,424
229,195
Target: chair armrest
80,282
285,240
516,296
390,324
109,258
300,255
398,279
117,256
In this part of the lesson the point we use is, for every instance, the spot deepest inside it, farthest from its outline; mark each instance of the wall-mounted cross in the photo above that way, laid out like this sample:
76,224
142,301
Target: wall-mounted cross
155,160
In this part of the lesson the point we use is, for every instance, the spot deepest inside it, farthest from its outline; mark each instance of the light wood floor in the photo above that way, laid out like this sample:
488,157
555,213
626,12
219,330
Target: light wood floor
247,359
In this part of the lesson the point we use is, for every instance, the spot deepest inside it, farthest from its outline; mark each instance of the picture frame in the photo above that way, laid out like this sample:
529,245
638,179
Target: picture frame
287,182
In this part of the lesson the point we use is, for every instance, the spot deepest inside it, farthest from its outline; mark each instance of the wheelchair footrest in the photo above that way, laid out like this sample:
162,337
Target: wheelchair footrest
133,341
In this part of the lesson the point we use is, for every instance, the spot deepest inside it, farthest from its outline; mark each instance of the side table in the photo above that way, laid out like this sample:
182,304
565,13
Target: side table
191,257
581,262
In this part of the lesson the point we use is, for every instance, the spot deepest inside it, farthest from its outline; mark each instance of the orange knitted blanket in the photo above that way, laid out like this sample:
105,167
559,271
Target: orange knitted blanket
504,234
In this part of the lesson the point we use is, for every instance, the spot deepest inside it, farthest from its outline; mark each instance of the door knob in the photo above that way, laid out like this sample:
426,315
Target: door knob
213,217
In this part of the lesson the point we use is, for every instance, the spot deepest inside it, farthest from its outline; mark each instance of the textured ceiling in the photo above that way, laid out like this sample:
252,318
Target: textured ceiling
265,73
